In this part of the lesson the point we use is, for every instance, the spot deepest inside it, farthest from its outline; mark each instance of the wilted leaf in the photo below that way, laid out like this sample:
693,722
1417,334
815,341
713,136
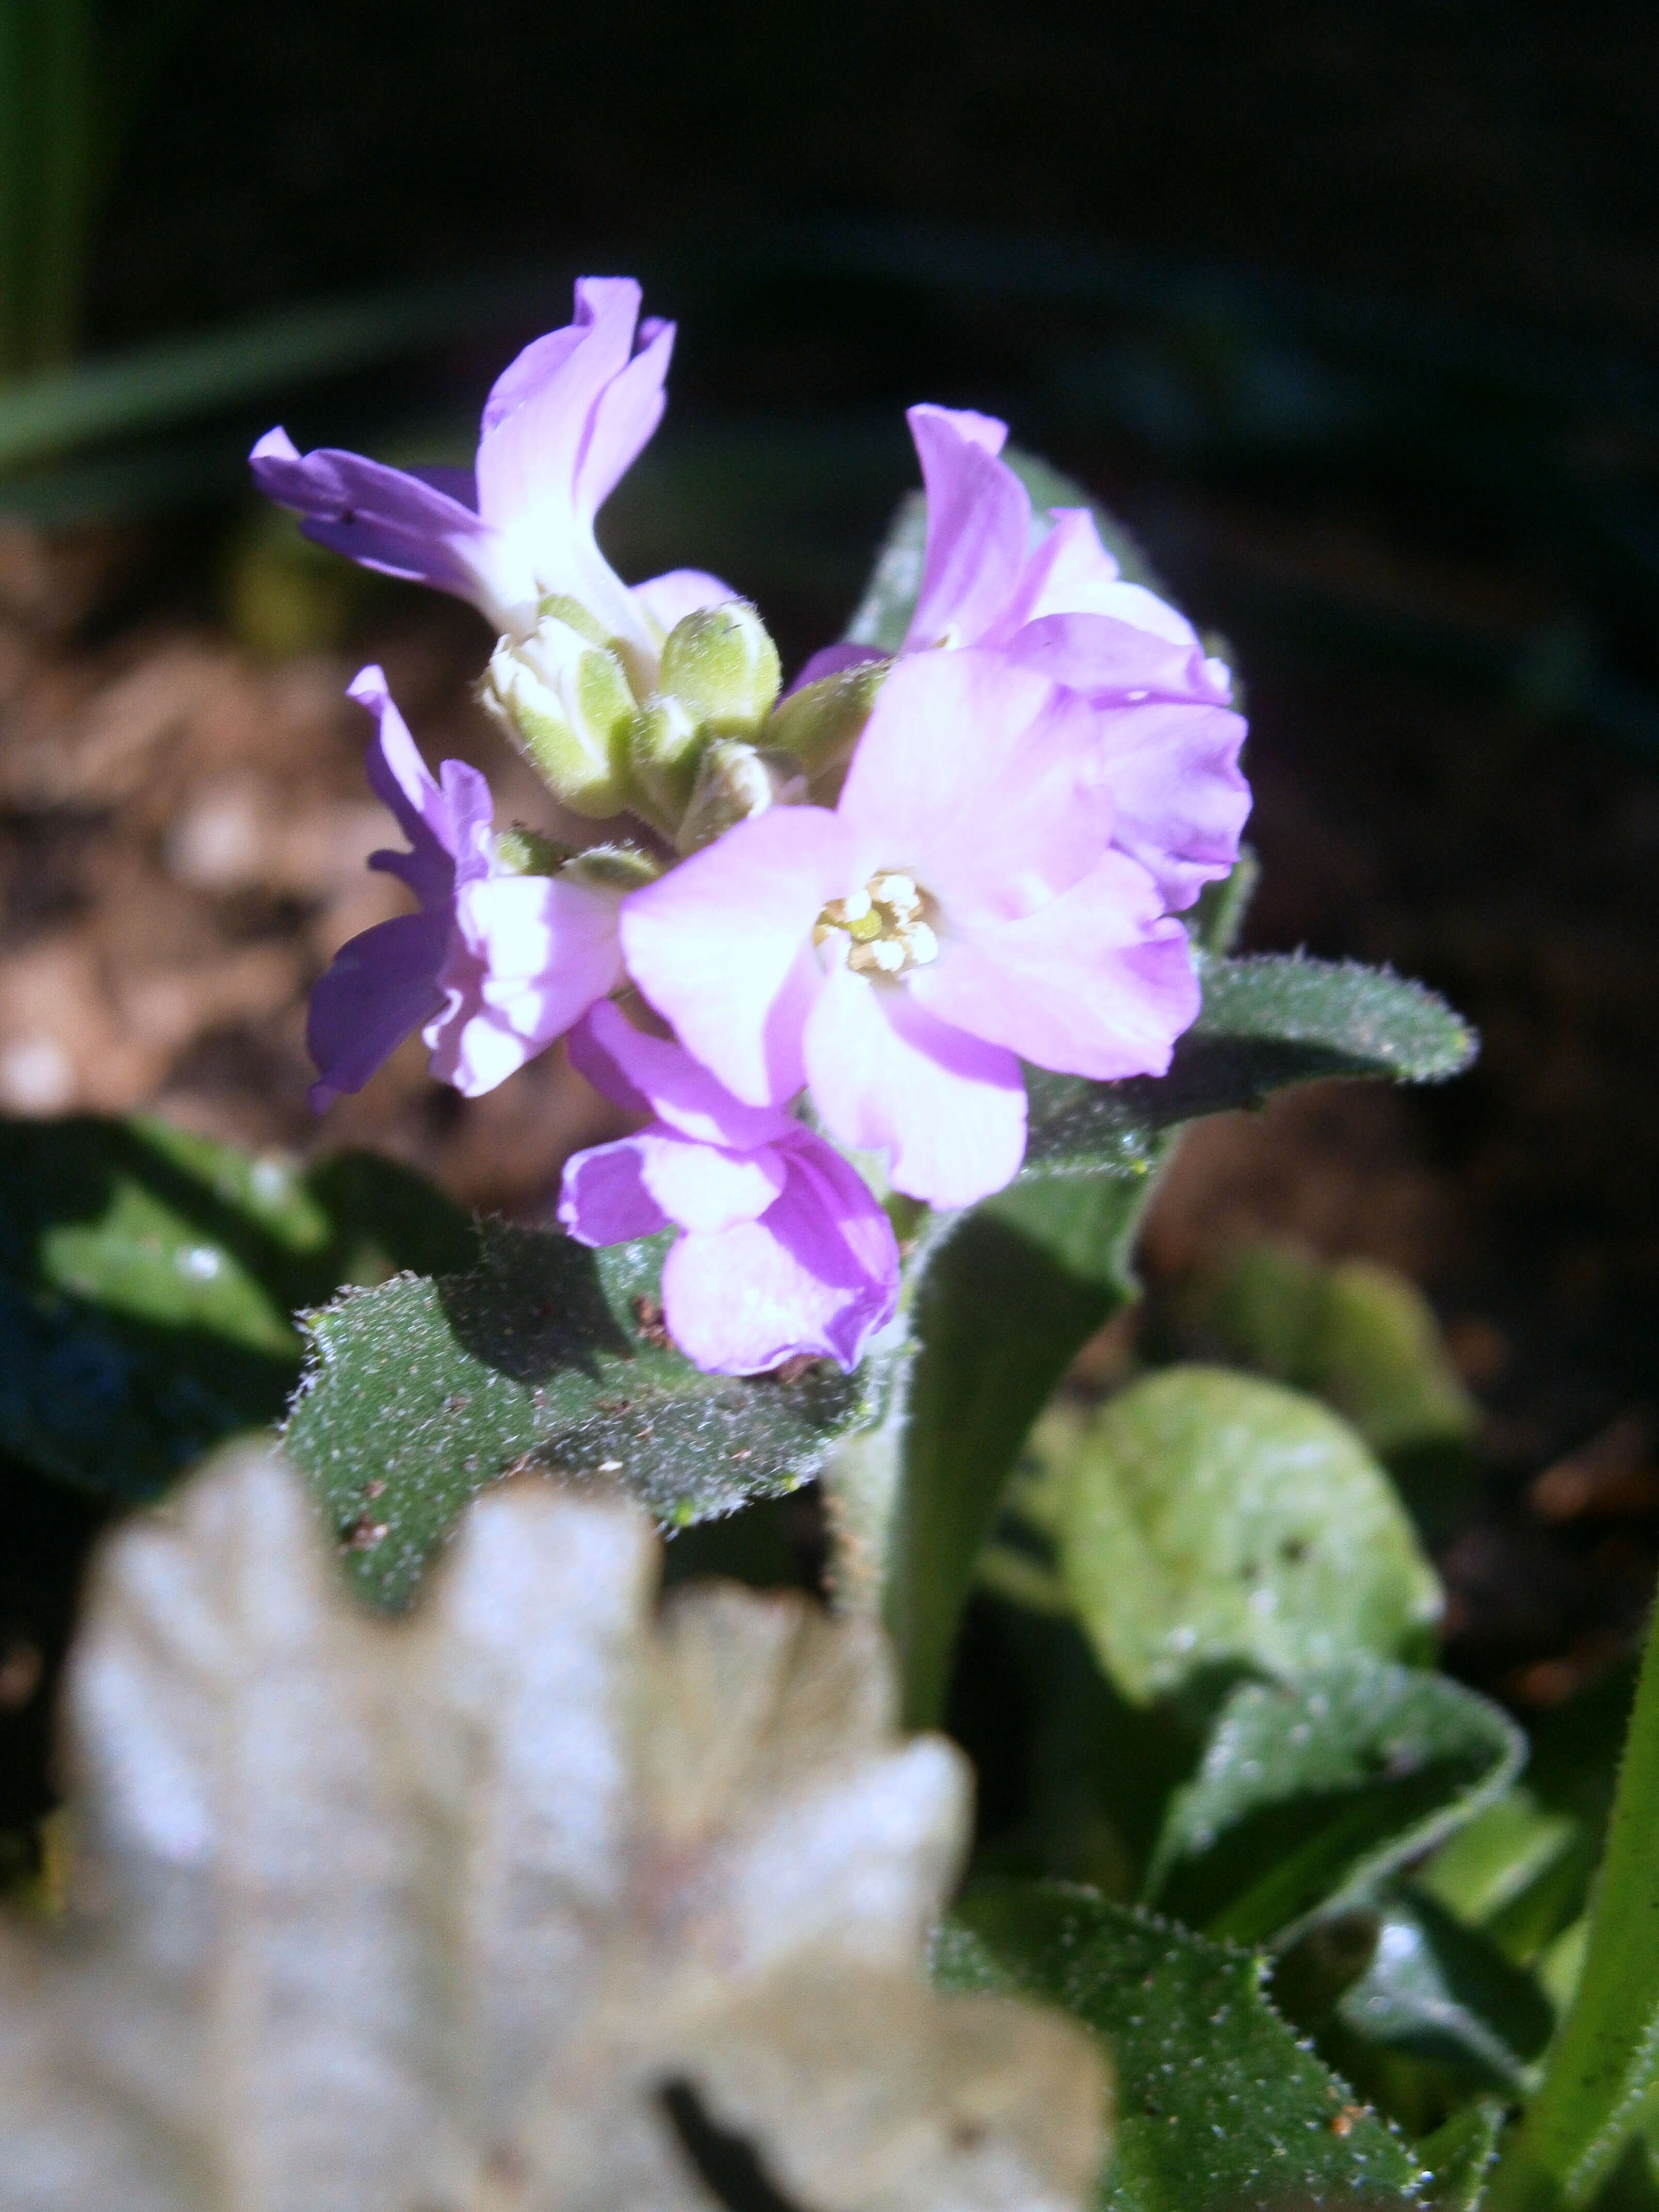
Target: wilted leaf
1309,1792
1267,1020
531,1901
421,1392
148,1276
1218,2105
1204,1518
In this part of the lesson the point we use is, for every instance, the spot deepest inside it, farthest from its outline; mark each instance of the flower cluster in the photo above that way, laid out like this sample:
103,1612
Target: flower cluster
880,892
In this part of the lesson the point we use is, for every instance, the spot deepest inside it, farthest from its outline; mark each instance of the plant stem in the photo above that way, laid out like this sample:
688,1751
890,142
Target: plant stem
1603,2067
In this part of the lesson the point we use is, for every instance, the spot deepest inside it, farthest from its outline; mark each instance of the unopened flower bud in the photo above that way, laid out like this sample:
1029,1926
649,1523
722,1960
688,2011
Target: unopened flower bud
821,722
521,851
620,868
566,705
664,741
735,780
720,663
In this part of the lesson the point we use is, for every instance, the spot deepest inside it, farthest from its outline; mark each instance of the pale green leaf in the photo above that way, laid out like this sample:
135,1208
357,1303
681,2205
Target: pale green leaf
1359,1335
1204,1518
1458,2155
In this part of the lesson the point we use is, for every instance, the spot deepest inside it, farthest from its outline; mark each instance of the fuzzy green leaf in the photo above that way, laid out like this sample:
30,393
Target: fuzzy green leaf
1458,2155
1218,2107
147,1278
1521,1870
1268,1021
883,614
1439,1991
543,1353
1600,2078
1205,1518
1363,1337
998,1316
1310,1793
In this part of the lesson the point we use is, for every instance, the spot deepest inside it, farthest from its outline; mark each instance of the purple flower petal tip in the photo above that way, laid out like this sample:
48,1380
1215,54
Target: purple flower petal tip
562,424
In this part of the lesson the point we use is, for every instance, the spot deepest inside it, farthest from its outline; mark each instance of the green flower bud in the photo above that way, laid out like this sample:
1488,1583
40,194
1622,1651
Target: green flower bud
821,723
722,665
521,851
566,704
612,868
664,742
563,608
735,780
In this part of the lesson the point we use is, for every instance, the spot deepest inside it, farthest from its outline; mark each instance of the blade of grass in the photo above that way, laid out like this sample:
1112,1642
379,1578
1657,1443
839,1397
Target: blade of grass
1604,2061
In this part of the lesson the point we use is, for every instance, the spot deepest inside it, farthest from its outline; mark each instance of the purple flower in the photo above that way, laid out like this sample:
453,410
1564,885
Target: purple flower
561,427
492,969
785,1251
961,907
1060,605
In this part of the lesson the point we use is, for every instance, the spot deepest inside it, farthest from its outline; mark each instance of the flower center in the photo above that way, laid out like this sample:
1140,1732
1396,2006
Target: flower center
888,925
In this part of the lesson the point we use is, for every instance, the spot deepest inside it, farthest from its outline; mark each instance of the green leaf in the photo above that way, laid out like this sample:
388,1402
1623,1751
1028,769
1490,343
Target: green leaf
1439,1991
1360,1336
883,614
1521,1870
1458,2155
147,1277
1310,1793
1604,2066
1205,1518
1267,1020
998,1313
542,1354
1218,2107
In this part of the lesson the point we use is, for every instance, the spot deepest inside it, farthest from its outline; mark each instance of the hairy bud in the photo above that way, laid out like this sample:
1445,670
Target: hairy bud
664,742
735,780
619,868
720,663
522,851
820,724
566,703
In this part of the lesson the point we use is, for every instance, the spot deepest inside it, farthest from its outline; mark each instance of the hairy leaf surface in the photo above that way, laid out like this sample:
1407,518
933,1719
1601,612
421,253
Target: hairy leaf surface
1310,1791
1267,1020
542,1354
1218,2105
1205,1518
148,1277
